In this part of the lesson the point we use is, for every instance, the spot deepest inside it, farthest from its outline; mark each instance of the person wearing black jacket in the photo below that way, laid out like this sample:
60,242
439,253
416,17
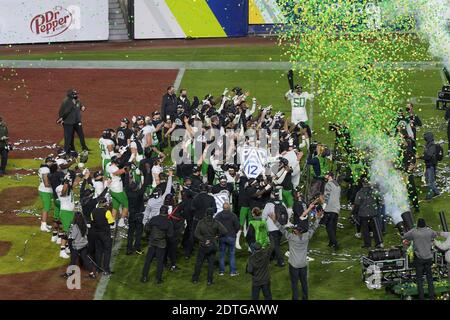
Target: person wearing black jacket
207,232
430,158
176,215
101,222
169,104
187,196
258,267
160,228
196,179
183,100
367,207
88,204
202,202
231,222
68,117
414,120
136,208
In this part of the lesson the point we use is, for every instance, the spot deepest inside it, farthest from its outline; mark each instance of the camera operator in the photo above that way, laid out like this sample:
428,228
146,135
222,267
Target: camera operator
277,206
298,249
4,147
332,206
207,231
422,238
414,120
367,207
445,246
160,228
430,157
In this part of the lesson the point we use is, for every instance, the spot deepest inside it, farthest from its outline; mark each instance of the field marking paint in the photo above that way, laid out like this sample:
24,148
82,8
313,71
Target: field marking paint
179,78
194,65
103,283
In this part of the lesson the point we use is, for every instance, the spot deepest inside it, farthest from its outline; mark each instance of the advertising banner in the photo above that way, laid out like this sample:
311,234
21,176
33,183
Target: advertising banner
167,19
46,21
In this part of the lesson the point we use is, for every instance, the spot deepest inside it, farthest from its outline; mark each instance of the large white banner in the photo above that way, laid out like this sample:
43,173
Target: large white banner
43,21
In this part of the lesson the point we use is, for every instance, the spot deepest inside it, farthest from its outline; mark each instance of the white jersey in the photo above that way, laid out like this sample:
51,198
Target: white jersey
67,203
99,186
139,157
156,170
116,181
42,188
149,129
291,156
60,162
104,143
298,105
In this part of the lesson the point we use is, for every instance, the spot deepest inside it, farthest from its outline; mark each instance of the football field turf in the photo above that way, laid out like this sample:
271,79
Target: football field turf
334,280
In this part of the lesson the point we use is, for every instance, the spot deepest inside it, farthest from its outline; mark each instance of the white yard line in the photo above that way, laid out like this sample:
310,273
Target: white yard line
198,65
179,78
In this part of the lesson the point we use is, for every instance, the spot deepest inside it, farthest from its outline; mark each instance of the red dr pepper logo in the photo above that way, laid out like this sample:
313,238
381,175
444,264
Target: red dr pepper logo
52,23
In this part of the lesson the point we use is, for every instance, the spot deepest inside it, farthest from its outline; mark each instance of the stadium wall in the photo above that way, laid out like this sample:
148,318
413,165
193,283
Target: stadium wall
168,19
47,21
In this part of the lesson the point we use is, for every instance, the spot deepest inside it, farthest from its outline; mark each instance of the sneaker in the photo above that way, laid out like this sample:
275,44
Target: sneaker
67,250
209,283
309,259
221,273
45,228
92,275
380,246
139,252
58,241
174,268
121,223
287,254
234,274
54,238
144,279
358,235
106,273
63,254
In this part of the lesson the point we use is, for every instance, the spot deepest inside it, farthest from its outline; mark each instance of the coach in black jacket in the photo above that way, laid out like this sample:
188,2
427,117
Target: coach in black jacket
169,104
160,228
136,210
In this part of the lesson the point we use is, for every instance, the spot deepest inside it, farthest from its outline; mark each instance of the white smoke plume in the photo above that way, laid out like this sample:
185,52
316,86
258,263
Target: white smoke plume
383,151
432,23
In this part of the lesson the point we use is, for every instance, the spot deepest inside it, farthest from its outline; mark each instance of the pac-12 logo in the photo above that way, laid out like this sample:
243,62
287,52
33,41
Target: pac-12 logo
52,23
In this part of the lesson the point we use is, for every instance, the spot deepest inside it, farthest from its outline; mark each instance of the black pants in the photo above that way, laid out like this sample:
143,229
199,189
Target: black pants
68,137
189,246
78,128
424,267
135,228
367,225
153,252
295,275
275,237
172,244
186,241
448,134
265,288
331,219
208,253
412,192
4,159
103,248
83,255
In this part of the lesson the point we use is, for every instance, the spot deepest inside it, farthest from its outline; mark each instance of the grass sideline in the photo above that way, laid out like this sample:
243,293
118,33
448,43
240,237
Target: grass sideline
269,52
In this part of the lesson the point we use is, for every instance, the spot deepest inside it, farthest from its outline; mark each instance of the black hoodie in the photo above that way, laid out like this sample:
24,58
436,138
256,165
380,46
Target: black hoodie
429,154
258,266
230,221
